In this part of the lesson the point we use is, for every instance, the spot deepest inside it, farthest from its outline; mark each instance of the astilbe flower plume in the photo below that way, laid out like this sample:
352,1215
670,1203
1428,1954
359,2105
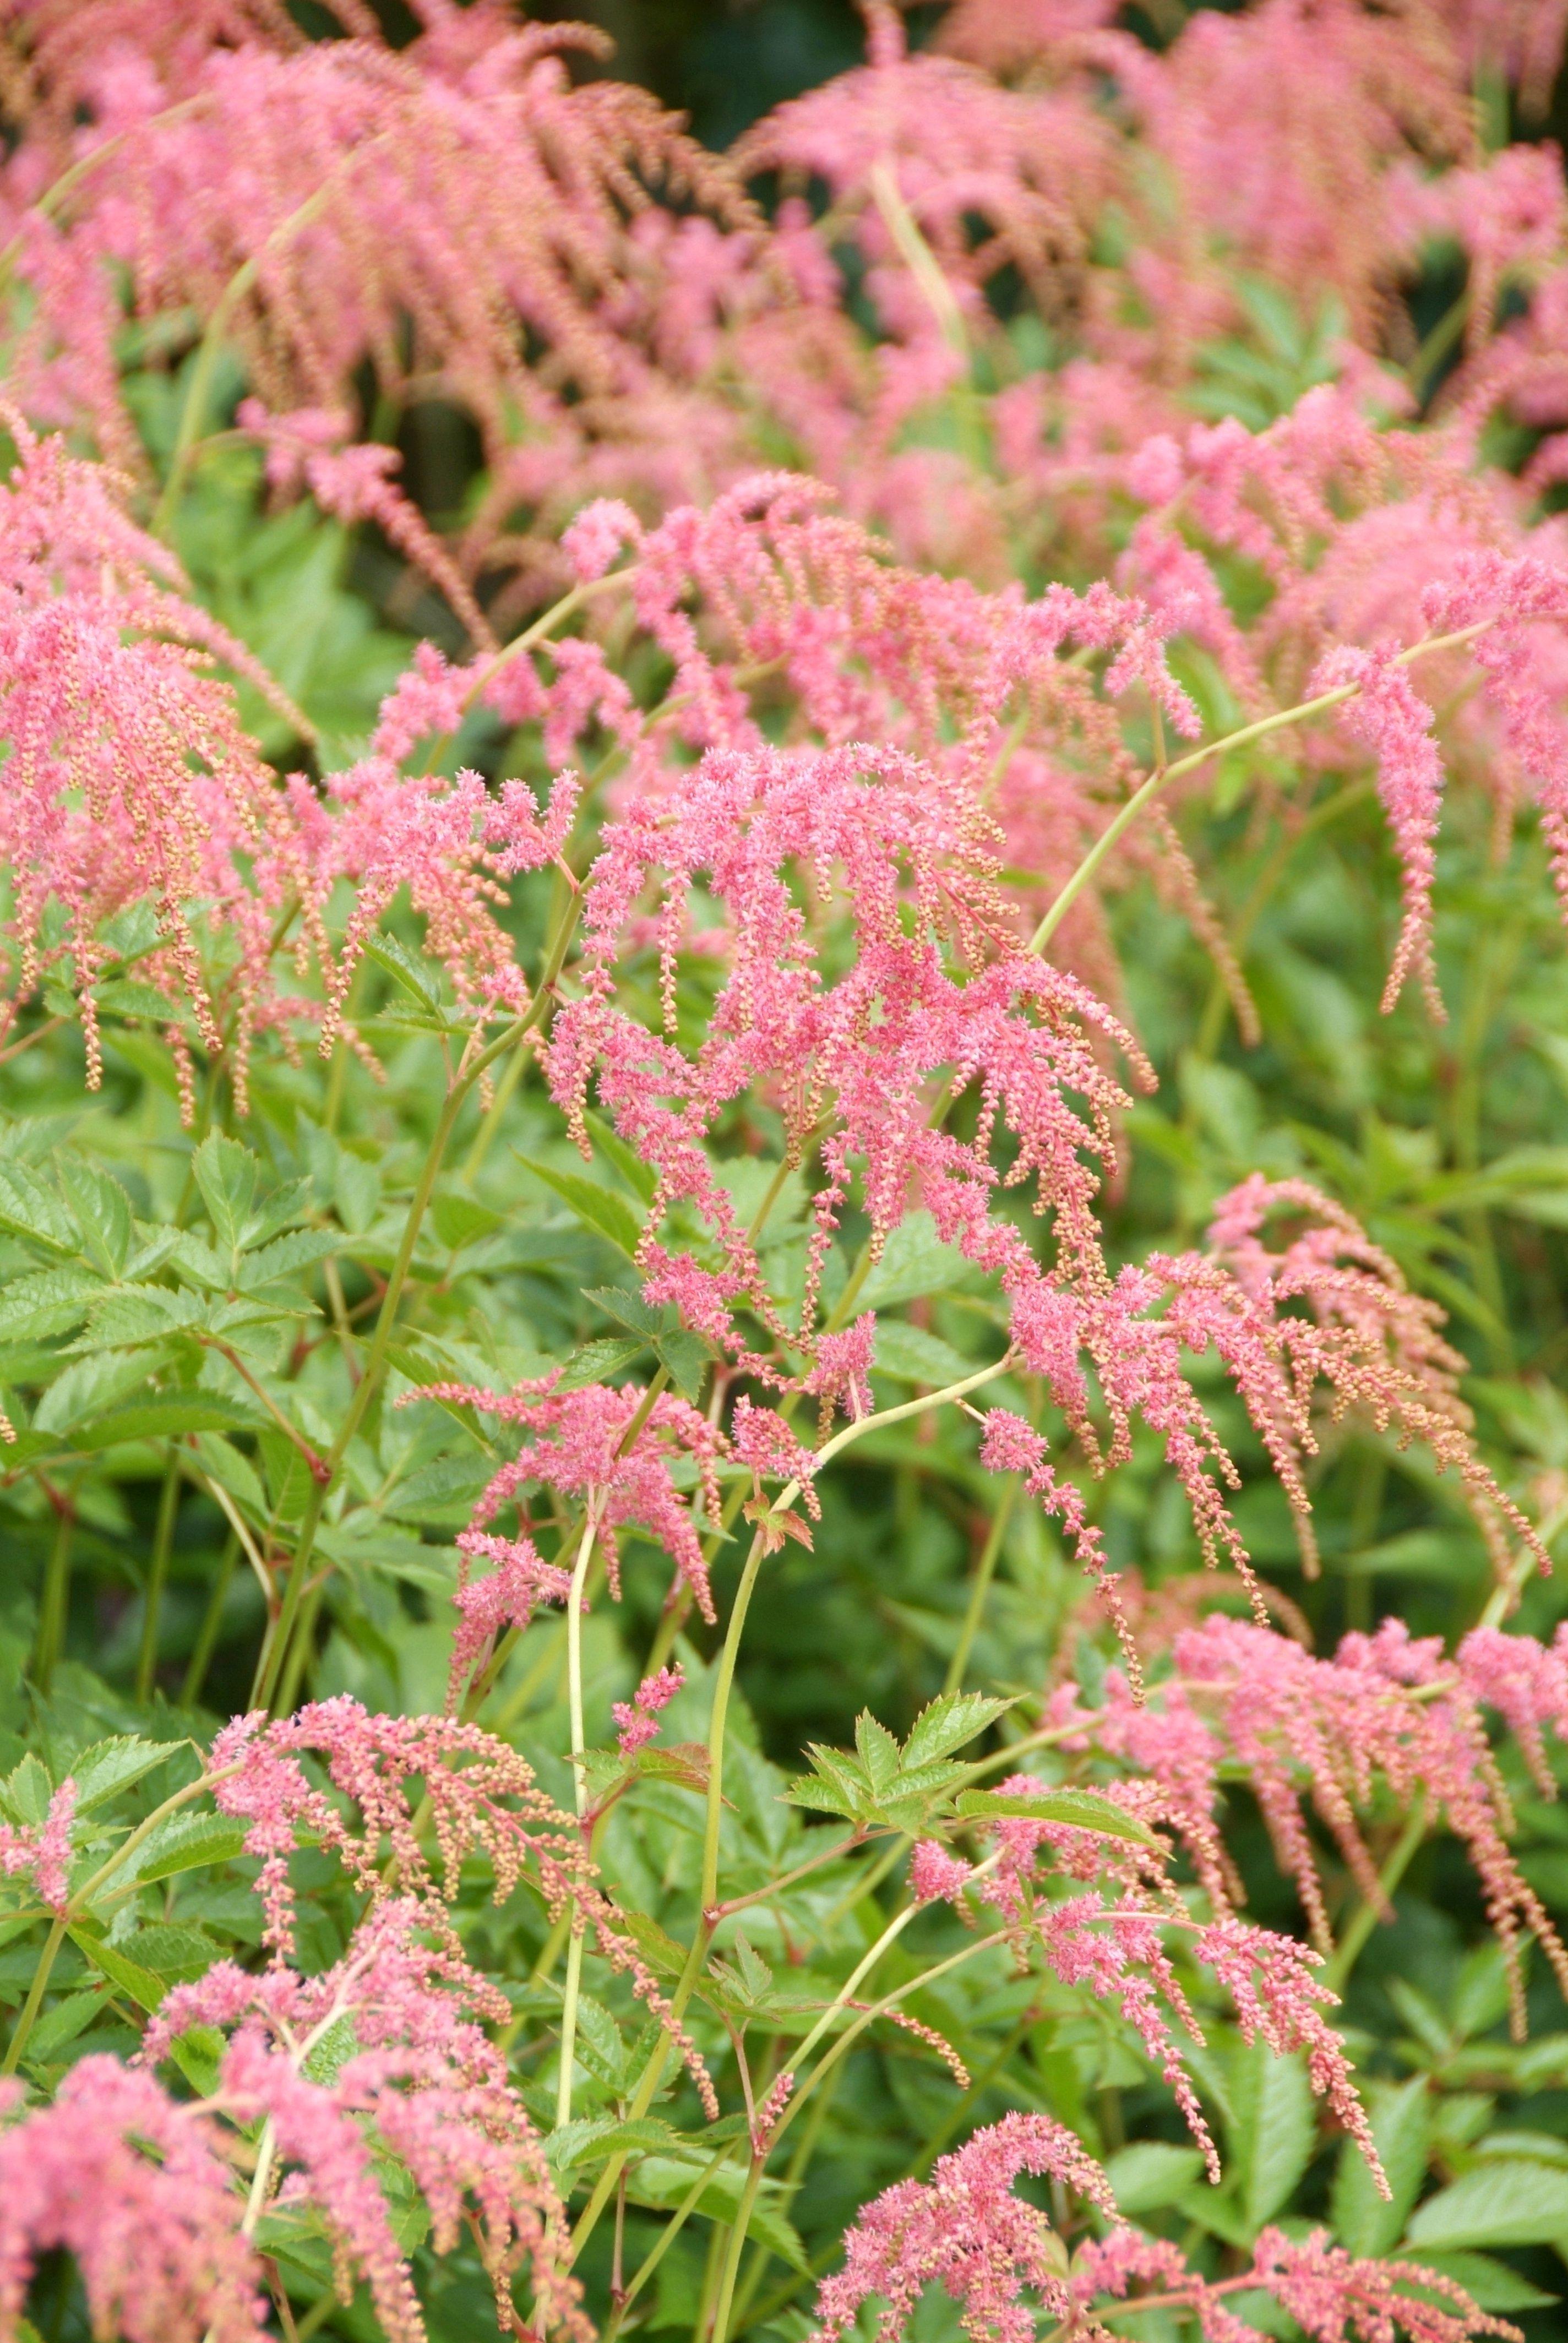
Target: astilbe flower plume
128,777
481,1798
1386,1709
1111,1939
43,1851
431,210
966,2229
424,2073
612,1450
137,2188
995,2254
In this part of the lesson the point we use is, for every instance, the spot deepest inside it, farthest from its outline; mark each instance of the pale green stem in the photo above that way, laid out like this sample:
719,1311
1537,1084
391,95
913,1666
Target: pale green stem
35,1992
1123,821
696,1957
273,1656
866,2017
985,1570
212,1621
157,1573
667,2237
55,1608
1365,1919
579,1791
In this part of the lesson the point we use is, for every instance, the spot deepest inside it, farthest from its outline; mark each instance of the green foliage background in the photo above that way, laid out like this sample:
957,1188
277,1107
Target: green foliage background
1451,1143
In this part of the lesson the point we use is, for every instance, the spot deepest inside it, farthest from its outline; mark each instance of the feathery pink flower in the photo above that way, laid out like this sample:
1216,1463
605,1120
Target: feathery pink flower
45,1852
583,1447
636,1720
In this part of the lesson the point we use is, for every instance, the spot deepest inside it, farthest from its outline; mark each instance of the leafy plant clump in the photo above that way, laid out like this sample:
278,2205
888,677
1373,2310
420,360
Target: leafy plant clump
783,1170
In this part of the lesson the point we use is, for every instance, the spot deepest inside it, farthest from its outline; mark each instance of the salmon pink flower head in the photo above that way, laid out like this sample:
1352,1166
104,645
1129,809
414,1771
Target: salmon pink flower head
966,2229
481,1799
43,1851
612,1450
636,1720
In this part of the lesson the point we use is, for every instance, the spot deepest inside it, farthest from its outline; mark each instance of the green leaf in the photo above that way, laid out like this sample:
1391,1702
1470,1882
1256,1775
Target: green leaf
163,1415
1508,2202
599,1209
47,1302
687,1356
911,1355
948,1723
595,1362
400,964
143,1989
640,1177
102,1212
183,1843
110,1766
626,1305
226,1173
1274,2131
30,1208
126,1317
1151,2173
1491,2284
878,1752
1084,1809
284,1257
1364,2221
58,2028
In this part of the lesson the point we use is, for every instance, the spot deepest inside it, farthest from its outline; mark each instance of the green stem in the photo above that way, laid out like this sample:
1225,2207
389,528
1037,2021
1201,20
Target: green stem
985,1570
35,1992
157,1575
1123,821
212,1619
579,1792
192,414
708,1893
667,2237
1365,1919
736,2248
270,1670
55,1608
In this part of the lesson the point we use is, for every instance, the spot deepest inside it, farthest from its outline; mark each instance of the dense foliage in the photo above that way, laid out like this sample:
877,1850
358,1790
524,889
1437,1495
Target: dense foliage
784,1179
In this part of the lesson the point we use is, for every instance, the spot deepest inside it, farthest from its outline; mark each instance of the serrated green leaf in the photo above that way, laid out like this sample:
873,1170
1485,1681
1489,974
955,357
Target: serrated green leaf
163,1415
284,1258
948,1722
48,1301
626,1305
595,1362
1491,2285
127,1317
1152,2173
1273,2129
1508,2202
911,1355
226,1173
597,1208
30,1208
878,1752
640,1177
143,1989
1365,2221
111,1767
183,1843
687,1356
1084,1809
102,1213
400,964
